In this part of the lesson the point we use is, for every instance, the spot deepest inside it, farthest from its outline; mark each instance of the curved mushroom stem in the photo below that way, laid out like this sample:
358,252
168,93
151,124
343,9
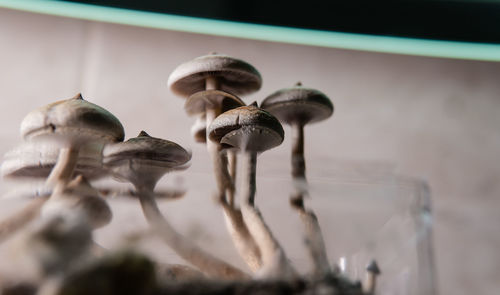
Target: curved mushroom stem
21,218
274,261
242,239
207,263
219,160
314,238
63,170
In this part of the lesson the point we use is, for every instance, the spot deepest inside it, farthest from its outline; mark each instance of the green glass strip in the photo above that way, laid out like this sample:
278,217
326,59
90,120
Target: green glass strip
396,45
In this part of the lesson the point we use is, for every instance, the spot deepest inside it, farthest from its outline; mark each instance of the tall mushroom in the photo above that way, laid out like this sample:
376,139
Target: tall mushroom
212,82
298,106
143,160
252,130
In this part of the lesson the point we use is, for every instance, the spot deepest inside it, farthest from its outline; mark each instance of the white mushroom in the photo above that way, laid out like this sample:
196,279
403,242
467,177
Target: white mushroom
143,160
252,130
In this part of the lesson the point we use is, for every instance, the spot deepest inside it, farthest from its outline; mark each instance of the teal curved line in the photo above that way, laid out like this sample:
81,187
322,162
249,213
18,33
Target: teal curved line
384,44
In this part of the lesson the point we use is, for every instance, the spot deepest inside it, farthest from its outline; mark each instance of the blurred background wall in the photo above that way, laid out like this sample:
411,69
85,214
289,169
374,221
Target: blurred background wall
431,118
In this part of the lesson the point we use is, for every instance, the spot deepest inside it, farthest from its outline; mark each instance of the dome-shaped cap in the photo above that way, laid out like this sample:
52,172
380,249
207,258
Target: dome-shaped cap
298,105
33,160
156,151
247,128
73,119
200,101
233,75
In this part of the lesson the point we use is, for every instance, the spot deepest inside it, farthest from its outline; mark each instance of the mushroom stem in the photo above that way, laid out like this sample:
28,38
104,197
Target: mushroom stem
370,283
21,218
221,174
232,161
298,161
63,170
242,239
274,261
211,83
207,263
314,238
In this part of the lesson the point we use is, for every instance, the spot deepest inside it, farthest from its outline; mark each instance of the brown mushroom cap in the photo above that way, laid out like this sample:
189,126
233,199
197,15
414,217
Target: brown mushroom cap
298,105
74,119
37,160
156,151
247,128
200,101
233,75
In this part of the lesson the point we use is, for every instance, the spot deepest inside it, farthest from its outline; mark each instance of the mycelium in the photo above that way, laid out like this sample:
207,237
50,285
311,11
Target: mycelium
211,84
252,130
298,106
143,160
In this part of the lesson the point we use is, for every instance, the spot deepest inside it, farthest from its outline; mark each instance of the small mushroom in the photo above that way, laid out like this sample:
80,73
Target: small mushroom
71,123
79,197
298,106
252,130
143,160
372,271
36,160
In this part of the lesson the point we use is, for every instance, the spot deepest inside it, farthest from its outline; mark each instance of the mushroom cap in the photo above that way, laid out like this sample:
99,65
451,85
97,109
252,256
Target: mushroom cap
373,268
36,160
199,130
156,151
298,105
234,75
80,196
247,128
74,119
200,101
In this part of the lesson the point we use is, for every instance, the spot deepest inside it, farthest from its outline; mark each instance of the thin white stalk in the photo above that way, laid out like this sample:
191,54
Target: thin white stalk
275,264
207,263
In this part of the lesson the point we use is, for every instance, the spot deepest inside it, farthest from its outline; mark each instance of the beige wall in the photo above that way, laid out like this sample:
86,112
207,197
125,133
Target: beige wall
436,119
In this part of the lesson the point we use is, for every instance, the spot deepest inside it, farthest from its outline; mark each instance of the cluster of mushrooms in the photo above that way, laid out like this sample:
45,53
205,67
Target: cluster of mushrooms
71,143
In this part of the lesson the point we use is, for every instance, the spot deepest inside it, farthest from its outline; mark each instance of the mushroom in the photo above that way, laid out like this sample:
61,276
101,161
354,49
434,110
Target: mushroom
252,130
143,160
298,106
211,103
372,271
209,81
214,71
79,197
71,123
